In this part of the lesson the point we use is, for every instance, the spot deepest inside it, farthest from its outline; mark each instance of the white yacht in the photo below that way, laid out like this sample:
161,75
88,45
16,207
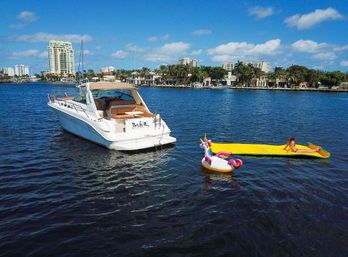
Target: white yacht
112,114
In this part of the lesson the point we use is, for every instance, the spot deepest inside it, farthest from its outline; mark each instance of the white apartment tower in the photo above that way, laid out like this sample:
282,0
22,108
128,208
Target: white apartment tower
108,69
264,66
21,70
194,63
9,71
188,61
184,61
228,66
61,57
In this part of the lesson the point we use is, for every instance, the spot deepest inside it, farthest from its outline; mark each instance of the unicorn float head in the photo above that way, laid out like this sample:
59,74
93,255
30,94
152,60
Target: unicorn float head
221,161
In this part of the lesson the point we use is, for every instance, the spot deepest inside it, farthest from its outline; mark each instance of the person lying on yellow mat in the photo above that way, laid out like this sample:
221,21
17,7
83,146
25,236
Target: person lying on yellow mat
291,146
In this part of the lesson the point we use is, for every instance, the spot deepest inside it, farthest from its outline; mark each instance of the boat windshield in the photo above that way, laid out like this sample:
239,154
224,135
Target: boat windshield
120,94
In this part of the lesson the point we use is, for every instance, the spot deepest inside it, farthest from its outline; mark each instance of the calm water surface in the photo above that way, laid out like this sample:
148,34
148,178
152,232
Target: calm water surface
63,196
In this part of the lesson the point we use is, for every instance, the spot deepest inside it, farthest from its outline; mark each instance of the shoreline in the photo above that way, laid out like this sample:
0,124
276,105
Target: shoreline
336,90
39,82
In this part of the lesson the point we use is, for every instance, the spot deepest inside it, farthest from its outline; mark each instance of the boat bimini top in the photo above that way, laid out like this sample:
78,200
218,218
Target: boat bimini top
109,85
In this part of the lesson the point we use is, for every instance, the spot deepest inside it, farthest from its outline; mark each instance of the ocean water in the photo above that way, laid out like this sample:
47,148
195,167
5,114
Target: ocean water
64,196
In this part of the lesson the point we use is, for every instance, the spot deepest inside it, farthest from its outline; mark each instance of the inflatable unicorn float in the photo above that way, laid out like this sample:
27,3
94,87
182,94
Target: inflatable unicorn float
221,161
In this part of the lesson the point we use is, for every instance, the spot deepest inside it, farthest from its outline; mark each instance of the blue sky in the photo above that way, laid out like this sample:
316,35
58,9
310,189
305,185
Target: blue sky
128,34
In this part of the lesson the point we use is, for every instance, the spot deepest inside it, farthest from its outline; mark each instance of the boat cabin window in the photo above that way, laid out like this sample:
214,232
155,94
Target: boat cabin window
109,99
82,97
125,95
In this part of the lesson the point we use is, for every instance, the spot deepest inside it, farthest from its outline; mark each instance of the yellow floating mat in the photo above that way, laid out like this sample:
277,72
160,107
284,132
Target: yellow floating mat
268,150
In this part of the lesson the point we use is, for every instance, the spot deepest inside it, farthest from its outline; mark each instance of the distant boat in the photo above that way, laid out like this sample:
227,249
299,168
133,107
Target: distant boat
112,114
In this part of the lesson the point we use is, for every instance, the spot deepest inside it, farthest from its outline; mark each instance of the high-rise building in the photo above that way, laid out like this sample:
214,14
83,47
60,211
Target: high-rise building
194,63
188,61
108,69
61,57
264,66
8,71
21,70
184,61
228,66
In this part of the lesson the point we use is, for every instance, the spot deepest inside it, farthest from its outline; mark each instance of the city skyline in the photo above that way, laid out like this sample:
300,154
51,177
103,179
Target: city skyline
16,70
138,34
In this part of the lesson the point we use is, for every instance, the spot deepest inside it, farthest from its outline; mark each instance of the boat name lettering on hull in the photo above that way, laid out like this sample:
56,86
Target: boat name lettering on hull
140,124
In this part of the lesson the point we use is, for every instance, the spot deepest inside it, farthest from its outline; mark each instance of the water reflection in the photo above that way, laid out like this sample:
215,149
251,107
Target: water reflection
95,164
62,139
212,180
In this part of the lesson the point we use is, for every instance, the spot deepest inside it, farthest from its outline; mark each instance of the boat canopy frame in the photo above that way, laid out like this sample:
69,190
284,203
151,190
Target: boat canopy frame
109,85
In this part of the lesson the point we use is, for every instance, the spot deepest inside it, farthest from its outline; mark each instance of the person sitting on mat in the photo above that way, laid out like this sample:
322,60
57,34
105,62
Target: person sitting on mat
292,147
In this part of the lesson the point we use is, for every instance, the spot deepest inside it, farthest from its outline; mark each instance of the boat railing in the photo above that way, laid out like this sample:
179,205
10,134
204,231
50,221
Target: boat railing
80,107
65,103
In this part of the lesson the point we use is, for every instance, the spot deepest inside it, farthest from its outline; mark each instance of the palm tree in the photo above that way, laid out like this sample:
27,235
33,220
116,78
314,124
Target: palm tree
257,73
279,74
145,72
163,71
297,74
244,73
313,77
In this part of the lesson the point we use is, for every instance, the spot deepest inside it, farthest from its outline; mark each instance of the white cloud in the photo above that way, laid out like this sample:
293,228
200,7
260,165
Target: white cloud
325,56
152,39
120,54
308,20
87,52
201,32
43,54
168,52
242,50
134,48
17,26
344,63
320,51
174,48
341,48
28,53
197,52
45,37
158,38
27,16
156,57
261,12
308,46
222,58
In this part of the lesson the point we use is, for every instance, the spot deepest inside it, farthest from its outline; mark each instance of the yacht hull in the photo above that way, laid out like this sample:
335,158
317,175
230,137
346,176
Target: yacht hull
83,128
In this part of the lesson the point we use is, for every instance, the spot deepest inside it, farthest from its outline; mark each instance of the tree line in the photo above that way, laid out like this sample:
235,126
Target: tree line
246,75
